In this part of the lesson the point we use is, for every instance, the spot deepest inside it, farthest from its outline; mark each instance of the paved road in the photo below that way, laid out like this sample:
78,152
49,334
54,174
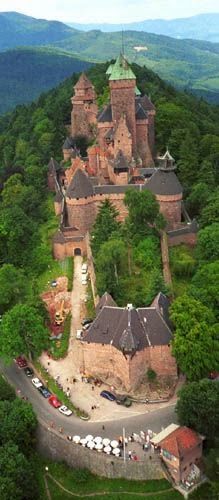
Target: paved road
155,419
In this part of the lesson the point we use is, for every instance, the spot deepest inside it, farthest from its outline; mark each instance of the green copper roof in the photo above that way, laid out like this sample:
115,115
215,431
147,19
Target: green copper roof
137,91
121,70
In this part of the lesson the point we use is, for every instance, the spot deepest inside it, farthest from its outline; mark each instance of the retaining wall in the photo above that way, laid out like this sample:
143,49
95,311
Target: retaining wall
56,447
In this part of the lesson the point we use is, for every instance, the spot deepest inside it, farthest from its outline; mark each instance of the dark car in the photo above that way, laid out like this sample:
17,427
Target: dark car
28,371
108,395
124,401
86,321
21,362
44,391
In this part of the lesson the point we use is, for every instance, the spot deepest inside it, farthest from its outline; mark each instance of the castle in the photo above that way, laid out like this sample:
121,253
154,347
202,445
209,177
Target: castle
122,156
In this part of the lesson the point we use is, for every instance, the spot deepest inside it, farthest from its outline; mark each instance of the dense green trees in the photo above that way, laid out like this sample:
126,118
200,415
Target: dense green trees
195,342
143,212
29,332
198,408
208,243
105,225
13,286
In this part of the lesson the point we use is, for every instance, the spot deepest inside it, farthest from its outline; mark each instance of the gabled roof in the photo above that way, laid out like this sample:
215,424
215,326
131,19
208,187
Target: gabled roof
105,300
140,112
83,82
110,134
121,70
105,115
181,441
164,183
53,165
162,303
121,162
146,103
69,143
80,186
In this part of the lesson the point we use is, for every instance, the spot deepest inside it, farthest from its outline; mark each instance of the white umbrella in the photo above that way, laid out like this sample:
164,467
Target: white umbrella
106,441
89,437
98,439
99,447
116,451
91,445
83,441
76,439
107,449
114,444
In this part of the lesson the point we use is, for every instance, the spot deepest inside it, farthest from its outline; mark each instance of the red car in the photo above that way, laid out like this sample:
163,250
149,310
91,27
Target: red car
21,362
54,401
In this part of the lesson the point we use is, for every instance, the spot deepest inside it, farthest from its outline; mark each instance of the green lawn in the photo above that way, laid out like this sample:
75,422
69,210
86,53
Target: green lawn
83,483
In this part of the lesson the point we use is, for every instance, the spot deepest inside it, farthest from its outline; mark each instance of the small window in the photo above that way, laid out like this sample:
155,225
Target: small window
185,468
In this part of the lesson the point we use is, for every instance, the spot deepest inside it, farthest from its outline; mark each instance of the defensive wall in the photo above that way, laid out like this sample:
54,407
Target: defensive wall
55,446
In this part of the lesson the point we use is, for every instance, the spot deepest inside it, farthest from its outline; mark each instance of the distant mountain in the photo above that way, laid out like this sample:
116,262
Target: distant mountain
200,27
18,29
191,64
26,73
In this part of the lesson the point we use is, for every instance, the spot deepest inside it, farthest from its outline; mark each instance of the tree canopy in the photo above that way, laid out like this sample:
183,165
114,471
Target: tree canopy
197,407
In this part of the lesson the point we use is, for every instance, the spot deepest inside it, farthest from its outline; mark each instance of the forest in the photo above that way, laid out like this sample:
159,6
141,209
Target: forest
29,136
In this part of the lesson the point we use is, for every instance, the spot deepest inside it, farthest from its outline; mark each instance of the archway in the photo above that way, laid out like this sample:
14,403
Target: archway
77,251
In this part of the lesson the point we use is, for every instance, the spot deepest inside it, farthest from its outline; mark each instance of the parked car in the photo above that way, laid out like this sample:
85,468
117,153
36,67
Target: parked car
84,268
124,401
86,321
53,400
65,411
84,280
28,371
37,382
79,334
108,395
85,327
53,283
44,391
21,361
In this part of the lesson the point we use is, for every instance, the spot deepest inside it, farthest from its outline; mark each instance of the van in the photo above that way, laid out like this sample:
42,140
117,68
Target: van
84,268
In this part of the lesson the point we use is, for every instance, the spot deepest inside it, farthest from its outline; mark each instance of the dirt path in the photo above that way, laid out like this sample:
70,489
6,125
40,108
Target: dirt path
103,493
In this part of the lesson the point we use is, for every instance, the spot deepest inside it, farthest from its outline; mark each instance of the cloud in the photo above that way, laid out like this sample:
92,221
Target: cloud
114,11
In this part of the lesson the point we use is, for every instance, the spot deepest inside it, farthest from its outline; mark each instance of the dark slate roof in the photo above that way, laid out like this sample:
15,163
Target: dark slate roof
110,134
105,115
53,165
58,197
121,162
58,237
69,143
146,103
80,186
162,303
164,183
105,300
128,329
140,112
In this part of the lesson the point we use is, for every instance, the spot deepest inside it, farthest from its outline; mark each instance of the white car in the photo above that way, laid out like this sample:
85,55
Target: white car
84,281
84,268
65,411
79,334
36,382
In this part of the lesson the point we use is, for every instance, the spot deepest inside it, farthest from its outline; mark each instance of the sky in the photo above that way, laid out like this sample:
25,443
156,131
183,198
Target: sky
111,11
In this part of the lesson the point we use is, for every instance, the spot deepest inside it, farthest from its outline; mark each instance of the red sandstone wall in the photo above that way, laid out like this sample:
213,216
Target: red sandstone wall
81,213
162,362
106,362
171,208
151,131
122,94
143,147
123,140
63,250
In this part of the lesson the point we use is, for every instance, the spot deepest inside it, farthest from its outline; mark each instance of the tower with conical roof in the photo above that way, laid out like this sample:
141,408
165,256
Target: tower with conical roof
122,82
84,111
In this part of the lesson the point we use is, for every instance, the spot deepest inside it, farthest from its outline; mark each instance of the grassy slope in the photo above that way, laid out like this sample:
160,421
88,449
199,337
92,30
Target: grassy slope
26,73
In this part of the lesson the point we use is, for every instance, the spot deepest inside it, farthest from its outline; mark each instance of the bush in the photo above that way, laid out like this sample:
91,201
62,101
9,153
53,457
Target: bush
151,375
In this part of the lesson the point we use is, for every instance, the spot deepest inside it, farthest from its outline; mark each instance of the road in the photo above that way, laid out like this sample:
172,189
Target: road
152,419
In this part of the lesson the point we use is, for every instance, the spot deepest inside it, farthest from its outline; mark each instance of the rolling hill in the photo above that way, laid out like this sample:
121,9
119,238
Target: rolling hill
200,27
26,73
190,64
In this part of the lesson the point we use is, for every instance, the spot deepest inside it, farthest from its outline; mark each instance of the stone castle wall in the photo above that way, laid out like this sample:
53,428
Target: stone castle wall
162,362
143,147
122,94
171,208
56,447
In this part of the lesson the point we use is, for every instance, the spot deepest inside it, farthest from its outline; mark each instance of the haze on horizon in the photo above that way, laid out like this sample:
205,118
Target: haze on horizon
115,11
